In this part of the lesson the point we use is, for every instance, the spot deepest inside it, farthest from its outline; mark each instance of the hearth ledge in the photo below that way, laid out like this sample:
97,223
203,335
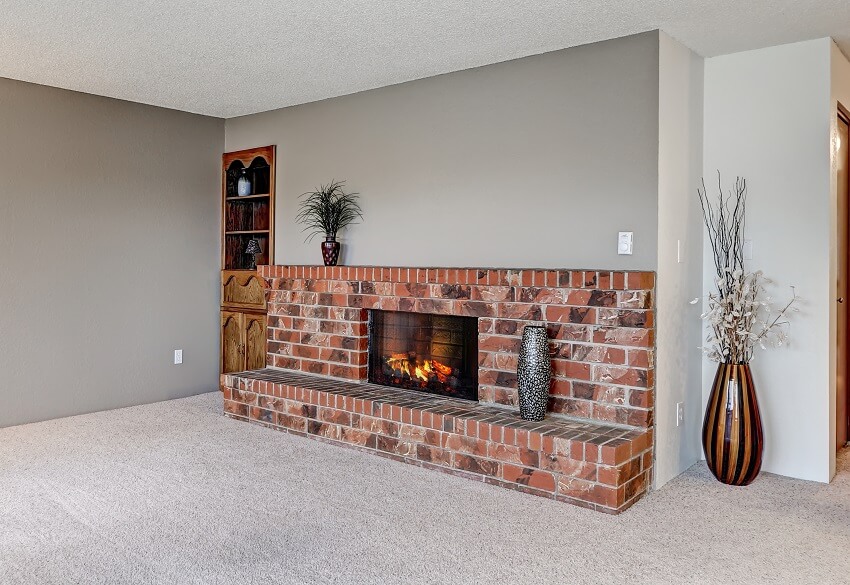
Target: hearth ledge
604,467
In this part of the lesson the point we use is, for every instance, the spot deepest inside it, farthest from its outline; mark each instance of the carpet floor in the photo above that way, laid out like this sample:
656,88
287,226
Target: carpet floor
176,493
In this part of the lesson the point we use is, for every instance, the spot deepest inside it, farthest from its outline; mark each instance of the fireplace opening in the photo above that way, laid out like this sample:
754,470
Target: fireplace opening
437,354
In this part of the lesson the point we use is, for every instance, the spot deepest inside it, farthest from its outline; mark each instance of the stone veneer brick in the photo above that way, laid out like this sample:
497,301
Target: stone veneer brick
601,326
598,466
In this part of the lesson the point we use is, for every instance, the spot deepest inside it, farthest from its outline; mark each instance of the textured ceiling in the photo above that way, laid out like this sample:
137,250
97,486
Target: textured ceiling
232,58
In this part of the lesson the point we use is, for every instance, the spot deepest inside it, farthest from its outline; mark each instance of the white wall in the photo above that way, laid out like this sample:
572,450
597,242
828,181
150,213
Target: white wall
767,118
536,162
678,361
840,84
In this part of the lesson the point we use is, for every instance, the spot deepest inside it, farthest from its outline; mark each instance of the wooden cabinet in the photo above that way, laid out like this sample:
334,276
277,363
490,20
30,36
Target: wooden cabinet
232,342
243,341
247,240
242,289
255,340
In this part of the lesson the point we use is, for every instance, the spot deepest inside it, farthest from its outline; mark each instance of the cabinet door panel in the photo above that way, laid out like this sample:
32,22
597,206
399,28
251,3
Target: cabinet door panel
242,289
232,342
255,341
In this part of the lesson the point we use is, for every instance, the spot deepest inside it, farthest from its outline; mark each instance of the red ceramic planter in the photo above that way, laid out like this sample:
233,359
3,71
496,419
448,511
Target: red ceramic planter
330,251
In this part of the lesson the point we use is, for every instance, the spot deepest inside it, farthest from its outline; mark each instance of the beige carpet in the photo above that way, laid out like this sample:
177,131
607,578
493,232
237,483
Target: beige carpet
176,493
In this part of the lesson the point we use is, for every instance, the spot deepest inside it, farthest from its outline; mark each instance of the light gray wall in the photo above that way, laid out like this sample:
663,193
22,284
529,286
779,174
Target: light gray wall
678,329
109,248
768,118
536,162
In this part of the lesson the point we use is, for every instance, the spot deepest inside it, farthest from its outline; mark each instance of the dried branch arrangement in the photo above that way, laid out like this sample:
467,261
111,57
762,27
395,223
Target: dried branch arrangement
740,315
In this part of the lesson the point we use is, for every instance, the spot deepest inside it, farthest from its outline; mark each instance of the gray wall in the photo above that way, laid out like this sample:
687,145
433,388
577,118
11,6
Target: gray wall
678,328
536,162
109,247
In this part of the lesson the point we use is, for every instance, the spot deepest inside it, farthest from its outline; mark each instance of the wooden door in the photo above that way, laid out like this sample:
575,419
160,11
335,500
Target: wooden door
232,342
255,341
843,354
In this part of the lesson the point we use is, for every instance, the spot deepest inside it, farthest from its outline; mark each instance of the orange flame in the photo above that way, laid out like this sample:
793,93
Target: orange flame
400,362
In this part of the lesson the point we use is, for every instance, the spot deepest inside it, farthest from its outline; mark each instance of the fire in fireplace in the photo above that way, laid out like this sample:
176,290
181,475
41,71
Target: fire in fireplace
430,353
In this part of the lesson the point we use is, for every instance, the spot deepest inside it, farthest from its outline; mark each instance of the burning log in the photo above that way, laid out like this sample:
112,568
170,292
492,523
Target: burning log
407,366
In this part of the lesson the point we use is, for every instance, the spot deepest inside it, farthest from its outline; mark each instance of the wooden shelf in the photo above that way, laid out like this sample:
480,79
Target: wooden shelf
248,197
250,216
246,218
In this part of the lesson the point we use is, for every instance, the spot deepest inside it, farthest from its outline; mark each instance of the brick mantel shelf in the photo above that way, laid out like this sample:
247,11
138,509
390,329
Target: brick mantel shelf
595,447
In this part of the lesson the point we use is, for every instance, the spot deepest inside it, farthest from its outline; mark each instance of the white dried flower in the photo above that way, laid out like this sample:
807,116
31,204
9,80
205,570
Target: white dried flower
741,318
739,313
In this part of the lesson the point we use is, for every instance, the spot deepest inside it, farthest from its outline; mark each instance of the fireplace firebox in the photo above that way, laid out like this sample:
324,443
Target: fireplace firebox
429,353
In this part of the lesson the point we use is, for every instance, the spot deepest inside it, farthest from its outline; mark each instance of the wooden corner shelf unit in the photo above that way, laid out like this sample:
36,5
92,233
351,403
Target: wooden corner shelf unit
245,217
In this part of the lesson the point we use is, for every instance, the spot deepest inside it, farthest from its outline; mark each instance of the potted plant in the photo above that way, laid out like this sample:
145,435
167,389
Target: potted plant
741,319
326,211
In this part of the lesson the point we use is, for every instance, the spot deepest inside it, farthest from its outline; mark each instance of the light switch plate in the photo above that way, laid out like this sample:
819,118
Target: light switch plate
748,249
178,356
625,243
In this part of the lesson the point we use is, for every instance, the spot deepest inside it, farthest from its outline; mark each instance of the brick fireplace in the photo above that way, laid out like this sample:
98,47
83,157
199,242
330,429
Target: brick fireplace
436,354
595,447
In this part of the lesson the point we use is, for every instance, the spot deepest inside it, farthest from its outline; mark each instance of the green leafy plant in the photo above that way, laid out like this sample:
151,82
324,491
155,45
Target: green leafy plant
327,210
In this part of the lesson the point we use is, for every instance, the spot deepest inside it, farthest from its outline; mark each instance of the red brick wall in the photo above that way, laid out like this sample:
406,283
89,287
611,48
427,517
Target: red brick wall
601,324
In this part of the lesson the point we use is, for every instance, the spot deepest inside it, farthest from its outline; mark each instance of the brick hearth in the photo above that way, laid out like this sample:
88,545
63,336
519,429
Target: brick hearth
594,449
593,465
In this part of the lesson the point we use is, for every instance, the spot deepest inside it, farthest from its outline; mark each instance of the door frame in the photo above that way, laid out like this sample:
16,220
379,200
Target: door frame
843,116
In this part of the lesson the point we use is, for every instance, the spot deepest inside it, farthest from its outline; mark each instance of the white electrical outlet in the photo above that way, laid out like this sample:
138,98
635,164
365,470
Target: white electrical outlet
624,243
679,251
178,356
680,414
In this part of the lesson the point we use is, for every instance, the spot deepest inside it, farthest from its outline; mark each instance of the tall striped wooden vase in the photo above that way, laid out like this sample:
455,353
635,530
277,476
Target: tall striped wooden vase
732,434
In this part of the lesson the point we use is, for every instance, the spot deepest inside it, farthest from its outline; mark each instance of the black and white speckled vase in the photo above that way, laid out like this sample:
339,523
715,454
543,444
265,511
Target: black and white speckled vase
534,372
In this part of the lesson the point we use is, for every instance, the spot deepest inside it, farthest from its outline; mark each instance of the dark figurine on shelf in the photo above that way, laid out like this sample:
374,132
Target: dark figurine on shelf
252,250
